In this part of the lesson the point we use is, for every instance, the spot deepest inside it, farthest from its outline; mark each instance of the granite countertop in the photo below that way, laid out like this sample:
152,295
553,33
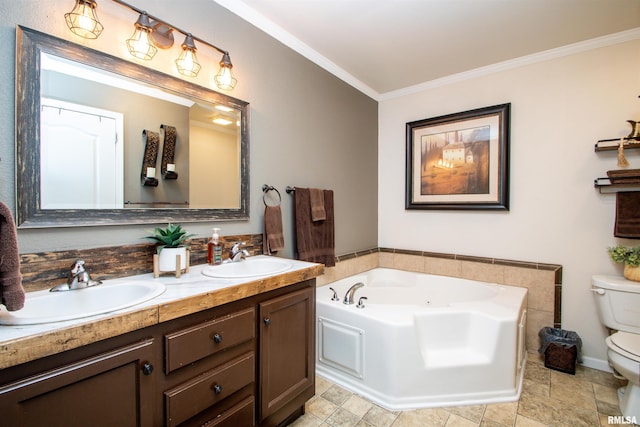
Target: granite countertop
191,293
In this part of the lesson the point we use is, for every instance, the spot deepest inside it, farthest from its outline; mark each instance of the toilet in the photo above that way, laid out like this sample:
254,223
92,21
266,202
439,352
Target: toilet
618,305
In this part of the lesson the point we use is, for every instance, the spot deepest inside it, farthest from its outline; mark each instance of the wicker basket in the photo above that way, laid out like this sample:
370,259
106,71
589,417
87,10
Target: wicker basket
561,358
632,273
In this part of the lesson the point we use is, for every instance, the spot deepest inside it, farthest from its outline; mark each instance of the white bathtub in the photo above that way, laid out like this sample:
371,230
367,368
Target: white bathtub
423,340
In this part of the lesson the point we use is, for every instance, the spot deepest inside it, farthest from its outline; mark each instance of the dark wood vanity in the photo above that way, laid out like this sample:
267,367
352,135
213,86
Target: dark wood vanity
248,362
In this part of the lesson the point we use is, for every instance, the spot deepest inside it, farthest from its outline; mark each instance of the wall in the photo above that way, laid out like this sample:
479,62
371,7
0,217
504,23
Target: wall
212,151
559,109
308,128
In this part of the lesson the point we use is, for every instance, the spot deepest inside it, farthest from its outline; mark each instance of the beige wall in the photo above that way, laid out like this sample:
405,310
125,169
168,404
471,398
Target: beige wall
214,158
308,128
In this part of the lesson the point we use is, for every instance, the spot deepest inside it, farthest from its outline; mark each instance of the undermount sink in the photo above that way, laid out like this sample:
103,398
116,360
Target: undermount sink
47,307
250,267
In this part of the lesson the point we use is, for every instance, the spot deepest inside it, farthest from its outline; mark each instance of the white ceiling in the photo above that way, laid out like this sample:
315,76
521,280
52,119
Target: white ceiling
386,46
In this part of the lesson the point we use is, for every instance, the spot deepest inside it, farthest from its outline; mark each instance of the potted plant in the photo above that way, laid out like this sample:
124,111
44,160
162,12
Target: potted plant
171,242
630,256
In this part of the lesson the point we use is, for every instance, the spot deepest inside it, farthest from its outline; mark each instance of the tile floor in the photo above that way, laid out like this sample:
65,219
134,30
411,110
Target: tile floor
549,398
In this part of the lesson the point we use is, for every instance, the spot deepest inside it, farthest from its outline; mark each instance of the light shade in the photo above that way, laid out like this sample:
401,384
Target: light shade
139,44
83,19
187,62
224,79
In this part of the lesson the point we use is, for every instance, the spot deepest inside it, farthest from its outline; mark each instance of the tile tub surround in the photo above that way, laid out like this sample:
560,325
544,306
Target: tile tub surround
543,281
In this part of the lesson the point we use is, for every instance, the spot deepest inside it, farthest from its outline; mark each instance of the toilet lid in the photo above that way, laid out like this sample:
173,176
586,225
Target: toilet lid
630,343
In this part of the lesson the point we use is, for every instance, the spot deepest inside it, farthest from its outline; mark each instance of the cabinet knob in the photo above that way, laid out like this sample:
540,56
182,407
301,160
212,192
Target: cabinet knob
147,368
267,321
217,338
217,388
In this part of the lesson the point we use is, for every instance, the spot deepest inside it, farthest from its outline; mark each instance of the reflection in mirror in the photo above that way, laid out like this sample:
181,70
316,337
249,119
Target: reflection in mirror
84,121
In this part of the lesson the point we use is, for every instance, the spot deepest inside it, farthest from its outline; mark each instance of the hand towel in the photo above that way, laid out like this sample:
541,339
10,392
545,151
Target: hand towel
627,215
273,238
11,290
316,200
315,240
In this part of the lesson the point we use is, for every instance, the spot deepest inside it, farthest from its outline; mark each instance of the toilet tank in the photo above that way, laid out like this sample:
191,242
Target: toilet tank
617,302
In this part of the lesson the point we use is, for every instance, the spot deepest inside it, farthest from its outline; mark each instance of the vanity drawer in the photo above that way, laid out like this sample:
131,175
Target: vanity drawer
190,344
196,395
241,414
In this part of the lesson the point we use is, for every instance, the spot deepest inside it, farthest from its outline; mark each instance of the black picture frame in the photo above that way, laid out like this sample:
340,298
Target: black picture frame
459,161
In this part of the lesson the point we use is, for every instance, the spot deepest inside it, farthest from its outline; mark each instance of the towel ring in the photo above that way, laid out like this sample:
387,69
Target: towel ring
265,189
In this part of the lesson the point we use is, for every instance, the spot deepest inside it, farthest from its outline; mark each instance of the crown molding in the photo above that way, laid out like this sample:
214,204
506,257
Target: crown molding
572,49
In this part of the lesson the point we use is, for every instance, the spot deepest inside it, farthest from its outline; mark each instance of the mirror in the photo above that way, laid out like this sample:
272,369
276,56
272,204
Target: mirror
83,155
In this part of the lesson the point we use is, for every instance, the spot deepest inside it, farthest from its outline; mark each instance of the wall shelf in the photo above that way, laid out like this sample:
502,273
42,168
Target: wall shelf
604,185
612,144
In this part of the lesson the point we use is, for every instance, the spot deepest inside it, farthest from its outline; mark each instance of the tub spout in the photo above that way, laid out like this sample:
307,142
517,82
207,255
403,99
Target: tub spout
361,302
348,298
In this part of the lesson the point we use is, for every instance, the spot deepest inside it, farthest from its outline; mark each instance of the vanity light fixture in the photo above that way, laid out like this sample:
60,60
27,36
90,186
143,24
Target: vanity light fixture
83,19
187,62
140,44
152,33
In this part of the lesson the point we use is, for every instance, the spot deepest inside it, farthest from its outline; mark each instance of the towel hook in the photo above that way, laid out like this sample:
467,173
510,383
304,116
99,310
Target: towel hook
265,189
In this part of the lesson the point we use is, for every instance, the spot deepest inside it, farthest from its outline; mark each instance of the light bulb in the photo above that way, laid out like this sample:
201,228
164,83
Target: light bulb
83,20
187,62
139,44
224,79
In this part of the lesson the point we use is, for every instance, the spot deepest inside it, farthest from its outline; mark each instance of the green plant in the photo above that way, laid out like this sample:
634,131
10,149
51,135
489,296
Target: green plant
625,254
173,236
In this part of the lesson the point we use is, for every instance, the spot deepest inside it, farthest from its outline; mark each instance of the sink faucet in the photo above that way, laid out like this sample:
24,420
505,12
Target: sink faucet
78,279
237,254
348,298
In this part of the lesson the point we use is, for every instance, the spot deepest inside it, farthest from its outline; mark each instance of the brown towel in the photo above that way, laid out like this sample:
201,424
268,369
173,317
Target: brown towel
315,240
11,290
316,199
273,238
627,215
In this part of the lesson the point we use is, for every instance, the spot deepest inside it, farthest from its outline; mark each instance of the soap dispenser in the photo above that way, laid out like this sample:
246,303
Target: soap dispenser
214,248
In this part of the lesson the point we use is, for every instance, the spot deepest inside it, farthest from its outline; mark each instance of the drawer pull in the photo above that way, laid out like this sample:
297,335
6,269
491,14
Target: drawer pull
217,389
217,338
147,368
267,321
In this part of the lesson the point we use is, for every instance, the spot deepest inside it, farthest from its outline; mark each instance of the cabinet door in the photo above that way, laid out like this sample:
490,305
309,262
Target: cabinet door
112,389
287,362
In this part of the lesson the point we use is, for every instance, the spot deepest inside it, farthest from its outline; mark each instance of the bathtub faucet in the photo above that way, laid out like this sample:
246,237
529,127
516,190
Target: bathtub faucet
348,298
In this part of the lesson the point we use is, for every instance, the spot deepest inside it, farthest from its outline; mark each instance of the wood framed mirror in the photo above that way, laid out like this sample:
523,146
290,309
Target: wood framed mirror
64,180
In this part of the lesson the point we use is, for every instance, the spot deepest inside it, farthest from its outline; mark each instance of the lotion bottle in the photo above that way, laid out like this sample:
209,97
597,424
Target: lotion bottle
214,248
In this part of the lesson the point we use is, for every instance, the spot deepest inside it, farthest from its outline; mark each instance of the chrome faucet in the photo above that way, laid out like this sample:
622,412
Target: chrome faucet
237,254
348,298
78,279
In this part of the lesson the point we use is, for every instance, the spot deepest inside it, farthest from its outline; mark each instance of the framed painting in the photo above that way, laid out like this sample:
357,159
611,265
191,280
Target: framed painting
459,161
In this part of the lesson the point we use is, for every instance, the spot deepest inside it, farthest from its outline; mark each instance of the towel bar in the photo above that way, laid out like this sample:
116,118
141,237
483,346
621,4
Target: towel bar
265,189
290,189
